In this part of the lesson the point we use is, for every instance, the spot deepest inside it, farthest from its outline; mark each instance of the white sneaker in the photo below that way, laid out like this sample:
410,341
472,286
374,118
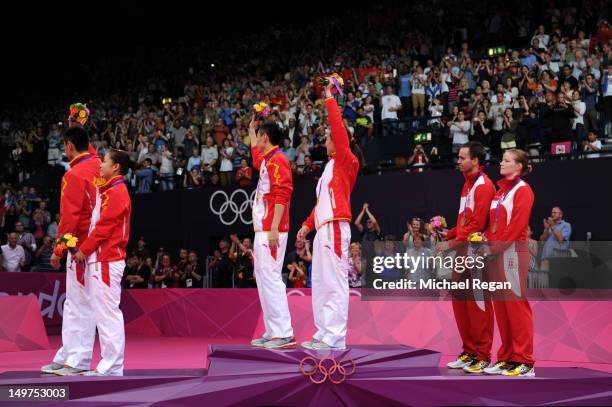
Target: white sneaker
52,368
309,344
69,371
520,369
259,343
91,373
477,366
465,359
280,343
499,368
320,345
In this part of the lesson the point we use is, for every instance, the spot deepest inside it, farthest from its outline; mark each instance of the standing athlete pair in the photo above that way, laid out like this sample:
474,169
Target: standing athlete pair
330,217
94,207
503,217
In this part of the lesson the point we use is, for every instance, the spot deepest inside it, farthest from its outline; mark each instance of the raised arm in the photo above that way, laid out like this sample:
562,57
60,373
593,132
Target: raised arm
338,132
255,153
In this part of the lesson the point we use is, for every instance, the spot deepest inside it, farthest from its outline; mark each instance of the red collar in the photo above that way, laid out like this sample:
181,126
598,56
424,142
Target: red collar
117,179
470,178
269,153
505,183
80,158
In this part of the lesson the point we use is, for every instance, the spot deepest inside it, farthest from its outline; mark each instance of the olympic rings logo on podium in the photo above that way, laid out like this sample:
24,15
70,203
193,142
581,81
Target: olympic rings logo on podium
327,368
236,209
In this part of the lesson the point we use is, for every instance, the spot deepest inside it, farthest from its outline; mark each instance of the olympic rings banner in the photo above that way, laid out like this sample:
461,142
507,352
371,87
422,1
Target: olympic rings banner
237,206
327,369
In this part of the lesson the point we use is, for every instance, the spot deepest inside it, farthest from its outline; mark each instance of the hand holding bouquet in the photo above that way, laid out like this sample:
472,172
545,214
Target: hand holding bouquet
262,111
64,243
79,113
334,79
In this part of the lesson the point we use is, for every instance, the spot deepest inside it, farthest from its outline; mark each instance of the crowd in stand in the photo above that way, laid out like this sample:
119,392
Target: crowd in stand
504,75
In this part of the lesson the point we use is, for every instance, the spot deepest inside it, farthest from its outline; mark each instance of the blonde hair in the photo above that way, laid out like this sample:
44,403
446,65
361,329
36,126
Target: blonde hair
521,157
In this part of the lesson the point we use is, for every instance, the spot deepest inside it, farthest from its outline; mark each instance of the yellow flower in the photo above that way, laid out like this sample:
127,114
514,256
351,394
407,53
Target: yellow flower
82,113
68,236
259,107
476,237
72,242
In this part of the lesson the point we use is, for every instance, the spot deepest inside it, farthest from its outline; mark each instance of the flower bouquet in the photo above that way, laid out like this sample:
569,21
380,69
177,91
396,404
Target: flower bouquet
79,113
438,223
262,111
476,238
65,242
336,80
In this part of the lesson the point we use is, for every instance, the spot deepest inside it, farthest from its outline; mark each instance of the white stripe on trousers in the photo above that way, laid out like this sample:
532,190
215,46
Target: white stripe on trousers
107,315
78,325
270,286
330,289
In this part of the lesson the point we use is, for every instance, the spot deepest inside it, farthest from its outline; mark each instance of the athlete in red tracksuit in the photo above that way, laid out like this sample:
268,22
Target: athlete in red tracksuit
331,217
473,314
507,233
78,197
104,252
271,224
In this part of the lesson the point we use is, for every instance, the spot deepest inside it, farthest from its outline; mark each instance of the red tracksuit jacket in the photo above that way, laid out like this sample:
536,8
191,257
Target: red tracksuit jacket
336,184
476,195
511,207
274,187
78,195
110,229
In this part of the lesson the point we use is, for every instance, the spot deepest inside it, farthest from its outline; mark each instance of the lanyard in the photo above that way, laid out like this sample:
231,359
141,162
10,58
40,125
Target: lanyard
501,200
117,182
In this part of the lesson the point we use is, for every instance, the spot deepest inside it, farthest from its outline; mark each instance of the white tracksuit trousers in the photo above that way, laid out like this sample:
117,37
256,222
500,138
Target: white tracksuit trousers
272,291
78,325
330,289
104,280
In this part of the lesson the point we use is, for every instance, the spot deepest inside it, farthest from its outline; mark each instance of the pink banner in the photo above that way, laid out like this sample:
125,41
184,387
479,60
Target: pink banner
579,331
21,327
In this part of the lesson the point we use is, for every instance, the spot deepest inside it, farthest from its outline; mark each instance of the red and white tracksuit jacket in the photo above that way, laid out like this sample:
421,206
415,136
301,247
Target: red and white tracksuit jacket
105,251
78,195
78,198
331,217
509,219
473,313
336,184
110,225
476,196
274,187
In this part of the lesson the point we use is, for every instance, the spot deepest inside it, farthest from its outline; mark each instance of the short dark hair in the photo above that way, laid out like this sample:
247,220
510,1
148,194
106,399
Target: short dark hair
120,157
477,150
273,132
78,136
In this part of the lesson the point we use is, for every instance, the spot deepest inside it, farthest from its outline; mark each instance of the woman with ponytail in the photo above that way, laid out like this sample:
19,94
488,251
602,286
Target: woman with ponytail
508,236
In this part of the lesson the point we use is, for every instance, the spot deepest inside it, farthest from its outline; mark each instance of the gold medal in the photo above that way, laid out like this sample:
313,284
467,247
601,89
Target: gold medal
463,221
